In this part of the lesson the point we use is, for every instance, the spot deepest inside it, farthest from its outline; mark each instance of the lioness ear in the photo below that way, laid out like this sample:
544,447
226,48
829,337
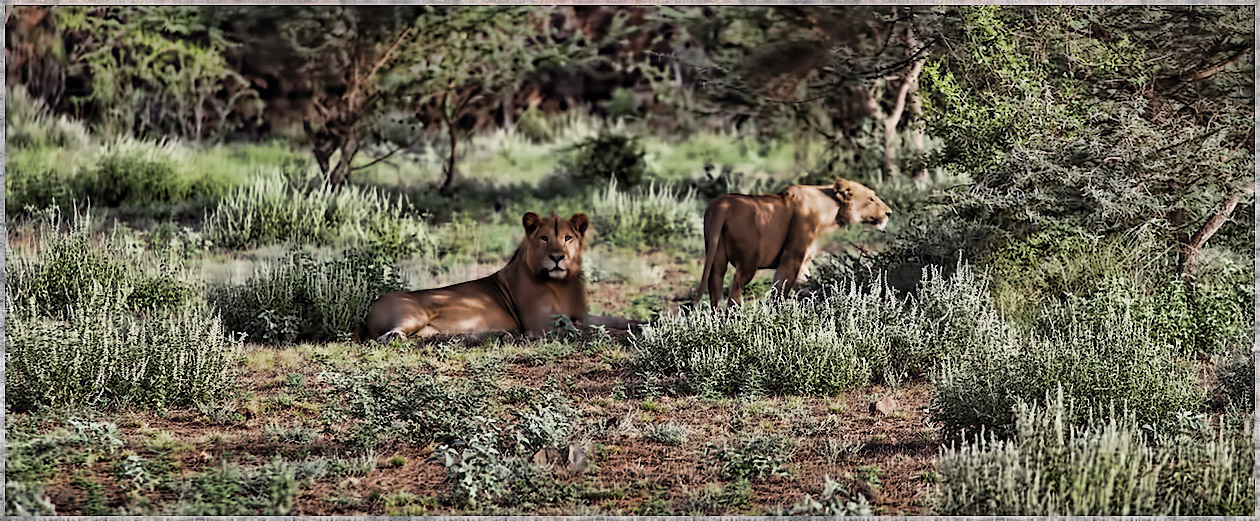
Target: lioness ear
843,192
530,220
580,222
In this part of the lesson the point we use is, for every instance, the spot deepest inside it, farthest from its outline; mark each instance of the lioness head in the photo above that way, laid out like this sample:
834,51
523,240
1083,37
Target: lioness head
859,204
553,246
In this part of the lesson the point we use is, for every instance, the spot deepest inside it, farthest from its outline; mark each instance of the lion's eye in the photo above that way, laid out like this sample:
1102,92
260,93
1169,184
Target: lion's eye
568,238
544,238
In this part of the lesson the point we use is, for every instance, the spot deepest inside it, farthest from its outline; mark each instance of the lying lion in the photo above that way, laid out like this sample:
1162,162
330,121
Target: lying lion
778,231
542,279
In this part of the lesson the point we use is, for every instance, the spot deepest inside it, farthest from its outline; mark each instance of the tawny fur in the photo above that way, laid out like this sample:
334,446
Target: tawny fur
542,279
778,231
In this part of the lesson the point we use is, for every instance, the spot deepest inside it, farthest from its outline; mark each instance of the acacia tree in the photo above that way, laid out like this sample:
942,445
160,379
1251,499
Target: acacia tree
1104,118
828,70
463,56
358,64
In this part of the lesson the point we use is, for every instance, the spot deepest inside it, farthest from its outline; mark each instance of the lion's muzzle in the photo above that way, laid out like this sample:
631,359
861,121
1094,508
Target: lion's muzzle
555,266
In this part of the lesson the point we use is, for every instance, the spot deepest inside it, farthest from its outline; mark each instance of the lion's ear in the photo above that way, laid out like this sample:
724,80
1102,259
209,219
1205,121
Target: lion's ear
580,222
530,220
843,192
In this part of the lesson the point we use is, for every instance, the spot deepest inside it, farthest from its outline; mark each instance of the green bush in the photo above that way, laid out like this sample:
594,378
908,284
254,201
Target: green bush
755,458
99,354
234,490
607,156
301,298
1100,359
656,217
1128,271
835,501
276,209
1052,468
376,406
842,337
1234,380
775,345
65,266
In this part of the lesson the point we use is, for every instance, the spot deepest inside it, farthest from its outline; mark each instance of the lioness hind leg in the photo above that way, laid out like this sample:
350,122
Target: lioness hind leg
716,276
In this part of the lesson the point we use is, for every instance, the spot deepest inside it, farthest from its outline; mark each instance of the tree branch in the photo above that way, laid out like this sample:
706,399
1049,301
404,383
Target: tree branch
386,156
1170,82
1190,252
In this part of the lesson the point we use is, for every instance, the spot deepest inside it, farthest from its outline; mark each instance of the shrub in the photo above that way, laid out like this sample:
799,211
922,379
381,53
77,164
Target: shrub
548,425
1234,380
655,217
233,490
842,337
302,298
379,406
1100,361
667,433
476,470
755,458
605,156
835,501
1053,468
276,209
65,266
776,345
99,354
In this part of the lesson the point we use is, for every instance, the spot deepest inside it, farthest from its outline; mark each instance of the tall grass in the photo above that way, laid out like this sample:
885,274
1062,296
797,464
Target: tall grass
304,210
300,297
774,345
1100,353
91,324
59,272
99,354
840,338
1109,468
656,216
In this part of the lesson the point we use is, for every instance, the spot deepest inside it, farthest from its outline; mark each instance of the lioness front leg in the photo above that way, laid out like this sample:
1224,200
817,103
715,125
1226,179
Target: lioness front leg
787,274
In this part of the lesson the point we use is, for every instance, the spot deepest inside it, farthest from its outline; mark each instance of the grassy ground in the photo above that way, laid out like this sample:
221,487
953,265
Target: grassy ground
279,413
566,426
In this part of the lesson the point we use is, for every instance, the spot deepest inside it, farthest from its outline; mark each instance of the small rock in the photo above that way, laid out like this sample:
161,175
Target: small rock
577,458
546,457
885,406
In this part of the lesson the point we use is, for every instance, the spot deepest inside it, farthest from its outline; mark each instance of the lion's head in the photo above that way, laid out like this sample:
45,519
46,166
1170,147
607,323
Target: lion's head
553,246
859,204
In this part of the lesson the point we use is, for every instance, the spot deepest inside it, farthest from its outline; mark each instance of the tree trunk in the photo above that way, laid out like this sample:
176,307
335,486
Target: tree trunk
1190,251
509,108
446,189
909,86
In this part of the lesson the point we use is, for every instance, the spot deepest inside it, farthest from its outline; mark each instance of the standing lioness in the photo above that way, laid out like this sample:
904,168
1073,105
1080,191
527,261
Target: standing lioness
543,278
778,231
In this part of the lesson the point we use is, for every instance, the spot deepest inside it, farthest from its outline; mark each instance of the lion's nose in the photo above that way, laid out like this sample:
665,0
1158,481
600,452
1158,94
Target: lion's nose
557,258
